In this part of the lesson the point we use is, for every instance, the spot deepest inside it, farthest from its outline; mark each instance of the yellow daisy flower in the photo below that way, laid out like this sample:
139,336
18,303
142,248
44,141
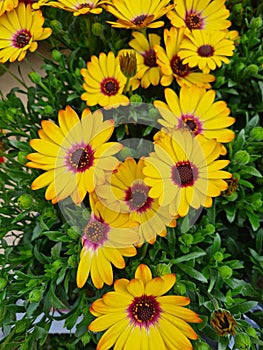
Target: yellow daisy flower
126,192
20,29
7,5
137,14
206,14
74,154
196,109
78,7
148,70
104,82
183,171
172,66
137,315
107,237
206,49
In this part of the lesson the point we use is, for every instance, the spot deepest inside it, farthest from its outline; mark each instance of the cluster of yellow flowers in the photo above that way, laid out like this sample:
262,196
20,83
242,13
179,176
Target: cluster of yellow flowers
133,202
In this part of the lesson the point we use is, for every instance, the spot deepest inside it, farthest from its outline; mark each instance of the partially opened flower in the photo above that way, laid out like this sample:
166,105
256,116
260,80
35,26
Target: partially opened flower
195,108
148,70
20,29
74,154
104,82
206,14
107,237
7,5
78,7
183,171
172,66
137,315
138,14
126,192
206,49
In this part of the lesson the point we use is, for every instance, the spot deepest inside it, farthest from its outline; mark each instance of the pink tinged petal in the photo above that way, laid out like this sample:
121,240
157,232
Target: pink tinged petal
84,267
154,286
94,273
120,285
136,287
171,300
104,268
183,326
143,273
106,321
100,308
113,255
169,281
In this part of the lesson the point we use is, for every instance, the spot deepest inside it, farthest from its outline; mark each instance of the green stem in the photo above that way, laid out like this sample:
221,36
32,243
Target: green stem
126,86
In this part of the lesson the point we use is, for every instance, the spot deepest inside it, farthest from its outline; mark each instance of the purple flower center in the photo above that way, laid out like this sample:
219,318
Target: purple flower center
194,21
80,158
150,58
137,198
109,86
178,67
95,233
191,122
139,20
184,174
205,51
144,311
21,38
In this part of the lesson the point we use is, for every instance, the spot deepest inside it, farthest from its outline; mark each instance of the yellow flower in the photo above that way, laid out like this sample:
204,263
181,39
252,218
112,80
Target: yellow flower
20,29
7,5
104,82
74,154
206,49
138,14
183,172
107,237
206,14
78,7
223,322
172,66
137,315
148,70
195,108
126,192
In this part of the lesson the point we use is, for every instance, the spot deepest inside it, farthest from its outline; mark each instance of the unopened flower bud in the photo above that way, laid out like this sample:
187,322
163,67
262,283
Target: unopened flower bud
24,201
56,55
21,157
223,322
128,63
97,29
201,346
251,70
35,296
136,98
257,133
225,271
218,256
242,341
34,77
256,23
242,157
162,269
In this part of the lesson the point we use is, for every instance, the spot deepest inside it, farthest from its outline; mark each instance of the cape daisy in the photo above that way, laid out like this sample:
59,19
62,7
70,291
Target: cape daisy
7,5
107,237
147,68
126,192
183,171
20,29
195,108
104,82
206,14
137,14
206,49
171,63
74,154
137,315
78,7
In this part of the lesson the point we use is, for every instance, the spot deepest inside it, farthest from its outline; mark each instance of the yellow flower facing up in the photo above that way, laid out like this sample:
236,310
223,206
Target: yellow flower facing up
74,154
20,29
126,192
104,82
196,109
78,7
206,49
206,14
137,315
137,14
171,63
148,70
183,171
7,5
107,237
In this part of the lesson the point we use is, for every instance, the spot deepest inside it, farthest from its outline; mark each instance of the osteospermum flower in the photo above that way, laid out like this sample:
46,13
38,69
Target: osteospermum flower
205,49
7,5
172,66
148,70
20,29
183,171
104,82
127,193
78,7
206,14
74,154
137,315
107,237
138,14
196,109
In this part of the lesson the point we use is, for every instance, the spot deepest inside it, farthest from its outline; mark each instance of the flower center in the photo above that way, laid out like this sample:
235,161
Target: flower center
205,51
137,197
184,174
144,310
150,58
80,158
193,21
139,20
178,67
22,38
109,86
95,234
191,122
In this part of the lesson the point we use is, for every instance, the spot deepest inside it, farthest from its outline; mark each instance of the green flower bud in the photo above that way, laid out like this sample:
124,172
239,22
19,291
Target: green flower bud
97,29
209,228
201,346
242,341
73,233
35,296
256,23
48,109
34,77
21,157
72,261
24,201
187,238
225,271
242,157
162,269
56,25
251,70
136,98
3,283
218,256
238,8
251,331
180,288
56,55
257,133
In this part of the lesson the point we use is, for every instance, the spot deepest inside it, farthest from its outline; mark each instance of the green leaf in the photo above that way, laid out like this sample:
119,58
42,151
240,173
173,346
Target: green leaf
246,183
187,257
243,307
190,271
250,170
54,300
254,220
